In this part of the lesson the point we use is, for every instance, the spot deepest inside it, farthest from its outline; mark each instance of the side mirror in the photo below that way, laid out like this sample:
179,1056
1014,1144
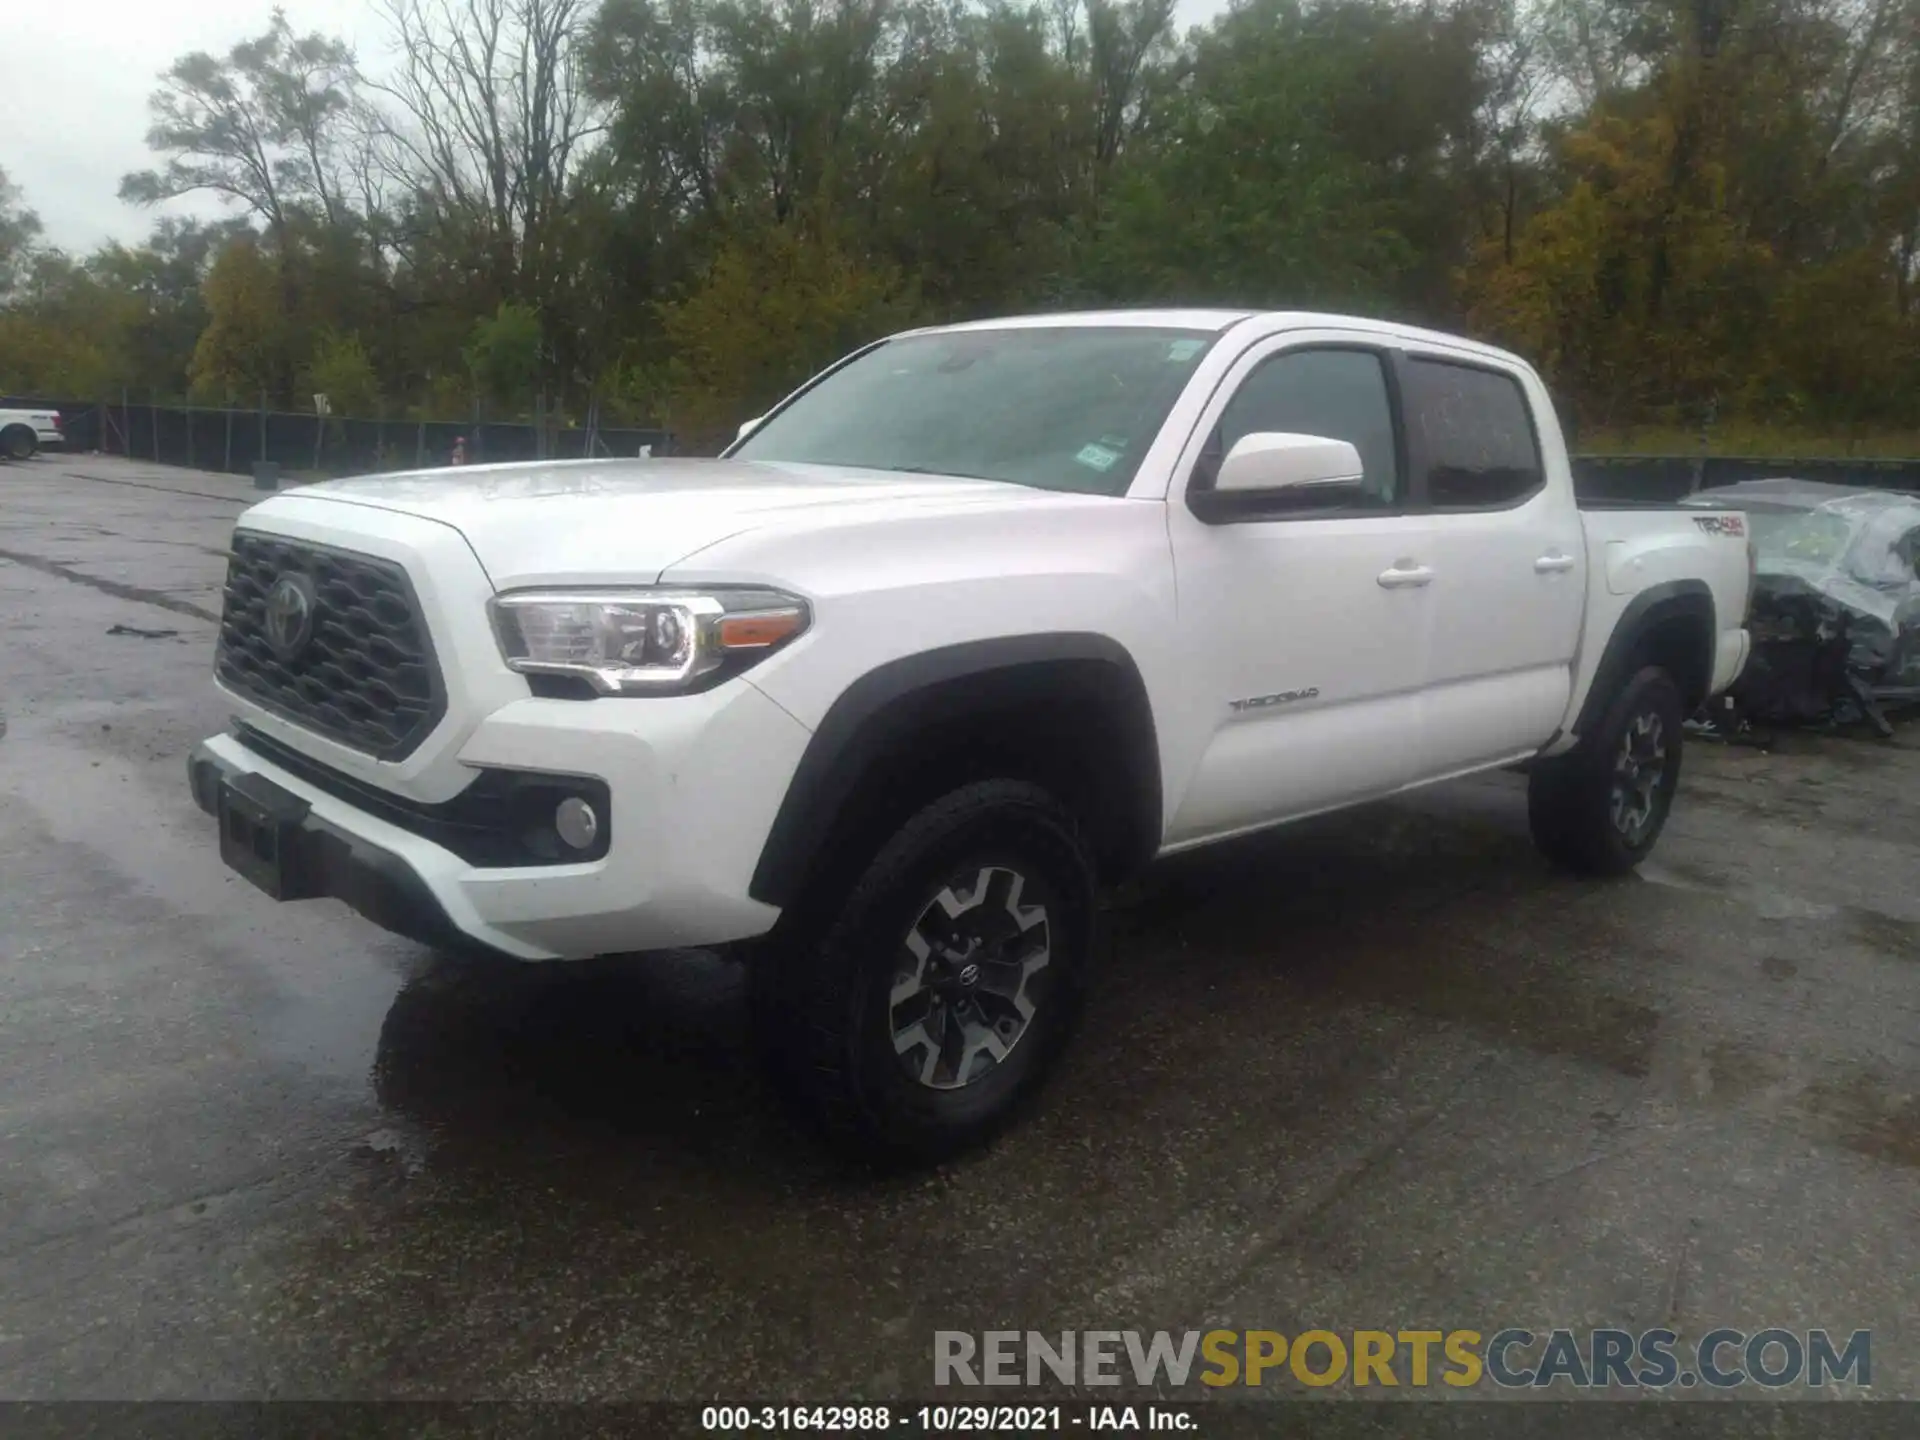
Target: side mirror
1311,469
747,427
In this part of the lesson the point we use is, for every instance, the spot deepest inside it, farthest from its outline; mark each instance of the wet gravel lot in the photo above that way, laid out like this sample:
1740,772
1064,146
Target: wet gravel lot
1384,1070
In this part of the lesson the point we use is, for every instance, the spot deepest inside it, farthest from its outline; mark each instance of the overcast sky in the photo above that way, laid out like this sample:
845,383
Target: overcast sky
76,112
77,84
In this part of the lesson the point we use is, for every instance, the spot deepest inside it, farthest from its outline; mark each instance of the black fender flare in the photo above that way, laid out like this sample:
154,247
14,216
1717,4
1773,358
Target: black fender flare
1686,600
877,712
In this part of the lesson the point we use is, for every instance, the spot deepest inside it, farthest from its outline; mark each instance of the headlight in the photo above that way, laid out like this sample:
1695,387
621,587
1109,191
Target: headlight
644,641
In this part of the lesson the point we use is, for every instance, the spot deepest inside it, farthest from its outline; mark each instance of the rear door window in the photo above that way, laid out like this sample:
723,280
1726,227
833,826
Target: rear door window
1473,433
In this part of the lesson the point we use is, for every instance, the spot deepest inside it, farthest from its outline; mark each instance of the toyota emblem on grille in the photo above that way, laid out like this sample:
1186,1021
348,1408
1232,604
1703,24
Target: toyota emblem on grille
290,605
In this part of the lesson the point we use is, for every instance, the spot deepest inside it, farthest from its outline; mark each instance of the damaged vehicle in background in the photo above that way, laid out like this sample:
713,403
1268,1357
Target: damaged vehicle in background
1835,617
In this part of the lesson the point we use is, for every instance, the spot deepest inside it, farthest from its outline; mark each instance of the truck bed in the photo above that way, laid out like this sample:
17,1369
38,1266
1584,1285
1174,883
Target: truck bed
1595,502
1641,549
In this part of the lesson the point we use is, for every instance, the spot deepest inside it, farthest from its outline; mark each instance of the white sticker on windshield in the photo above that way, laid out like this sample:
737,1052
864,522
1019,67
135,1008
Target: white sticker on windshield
1185,349
1097,457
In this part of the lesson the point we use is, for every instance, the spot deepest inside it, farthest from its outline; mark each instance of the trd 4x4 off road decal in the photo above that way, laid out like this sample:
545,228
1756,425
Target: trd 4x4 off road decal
1735,525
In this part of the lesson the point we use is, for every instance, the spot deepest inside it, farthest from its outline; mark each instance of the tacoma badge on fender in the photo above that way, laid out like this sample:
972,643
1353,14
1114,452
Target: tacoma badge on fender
1260,702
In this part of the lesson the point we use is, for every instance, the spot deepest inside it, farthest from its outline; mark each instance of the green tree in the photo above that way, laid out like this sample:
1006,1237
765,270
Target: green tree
773,307
341,371
504,355
1299,161
263,127
260,127
38,357
64,331
157,307
19,233
680,207
243,350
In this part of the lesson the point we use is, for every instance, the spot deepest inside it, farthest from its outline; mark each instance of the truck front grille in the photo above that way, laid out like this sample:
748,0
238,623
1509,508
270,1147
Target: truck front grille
340,648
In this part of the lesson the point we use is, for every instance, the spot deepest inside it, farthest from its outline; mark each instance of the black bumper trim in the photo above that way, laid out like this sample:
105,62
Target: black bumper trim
502,820
373,881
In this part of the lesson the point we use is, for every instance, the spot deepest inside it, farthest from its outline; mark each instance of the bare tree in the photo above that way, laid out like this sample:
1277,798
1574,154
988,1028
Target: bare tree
1590,46
490,119
652,65
1517,80
311,95
1120,35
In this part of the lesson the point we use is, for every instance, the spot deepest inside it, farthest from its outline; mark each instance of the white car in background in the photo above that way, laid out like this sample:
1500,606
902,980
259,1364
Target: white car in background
22,432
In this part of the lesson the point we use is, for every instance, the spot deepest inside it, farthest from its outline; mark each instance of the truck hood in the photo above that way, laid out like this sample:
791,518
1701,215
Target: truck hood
575,522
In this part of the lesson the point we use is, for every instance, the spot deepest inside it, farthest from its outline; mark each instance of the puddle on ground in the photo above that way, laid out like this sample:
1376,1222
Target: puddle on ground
1871,1116
1767,904
1772,809
1771,905
1678,876
1887,934
1507,991
1732,1070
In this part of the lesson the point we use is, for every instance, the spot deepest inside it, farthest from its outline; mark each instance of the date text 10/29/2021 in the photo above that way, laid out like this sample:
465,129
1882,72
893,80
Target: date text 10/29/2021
951,1419
1650,1361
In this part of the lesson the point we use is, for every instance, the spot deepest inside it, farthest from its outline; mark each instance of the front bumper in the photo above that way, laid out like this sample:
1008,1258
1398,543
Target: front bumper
373,880
693,784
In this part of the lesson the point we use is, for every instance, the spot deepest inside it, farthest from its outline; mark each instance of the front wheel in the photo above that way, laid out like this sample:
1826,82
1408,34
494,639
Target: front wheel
1600,808
940,992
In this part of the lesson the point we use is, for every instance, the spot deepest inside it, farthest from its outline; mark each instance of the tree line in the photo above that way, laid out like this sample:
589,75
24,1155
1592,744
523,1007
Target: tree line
1685,211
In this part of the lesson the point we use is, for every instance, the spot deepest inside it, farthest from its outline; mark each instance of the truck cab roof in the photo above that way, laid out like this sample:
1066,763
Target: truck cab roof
1218,320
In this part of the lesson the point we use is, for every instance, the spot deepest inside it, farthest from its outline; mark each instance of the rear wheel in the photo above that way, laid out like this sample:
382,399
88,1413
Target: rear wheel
942,987
17,442
1600,808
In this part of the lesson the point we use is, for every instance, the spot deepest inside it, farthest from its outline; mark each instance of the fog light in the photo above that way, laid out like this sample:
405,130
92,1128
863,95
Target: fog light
576,823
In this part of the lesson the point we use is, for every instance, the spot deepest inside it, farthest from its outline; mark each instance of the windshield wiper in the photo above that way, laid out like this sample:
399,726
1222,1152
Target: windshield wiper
955,474
913,470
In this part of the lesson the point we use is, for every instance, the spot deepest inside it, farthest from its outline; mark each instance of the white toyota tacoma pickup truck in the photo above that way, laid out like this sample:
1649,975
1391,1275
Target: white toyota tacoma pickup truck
978,620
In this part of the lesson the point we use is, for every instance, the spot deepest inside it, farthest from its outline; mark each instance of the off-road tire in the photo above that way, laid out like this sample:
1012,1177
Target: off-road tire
1575,802
824,1015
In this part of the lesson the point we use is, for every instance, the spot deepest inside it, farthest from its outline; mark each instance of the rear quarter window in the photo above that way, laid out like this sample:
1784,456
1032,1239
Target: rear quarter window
1475,431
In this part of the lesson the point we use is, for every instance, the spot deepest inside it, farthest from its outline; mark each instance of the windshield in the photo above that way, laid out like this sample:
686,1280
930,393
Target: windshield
1059,408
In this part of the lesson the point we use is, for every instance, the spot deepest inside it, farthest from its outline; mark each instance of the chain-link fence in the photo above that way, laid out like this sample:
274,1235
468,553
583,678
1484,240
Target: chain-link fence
233,440
228,439
1669,477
